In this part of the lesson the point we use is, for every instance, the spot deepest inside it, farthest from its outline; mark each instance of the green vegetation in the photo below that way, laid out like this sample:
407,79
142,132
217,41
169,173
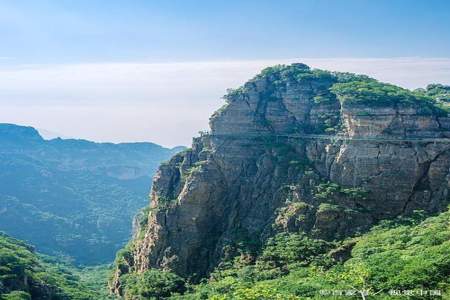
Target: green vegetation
197,167
328,207
73,197
328,190
397,255
350,89
324,99
142,218
231,94
440,93
74,192
374,93
354,89
95,279
292,209
330,123
343,77
285,155
152,284
392,258
279,75
123,256
26,275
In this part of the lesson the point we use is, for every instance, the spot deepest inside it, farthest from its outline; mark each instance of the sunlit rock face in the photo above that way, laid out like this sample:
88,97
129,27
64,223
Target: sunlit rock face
290,152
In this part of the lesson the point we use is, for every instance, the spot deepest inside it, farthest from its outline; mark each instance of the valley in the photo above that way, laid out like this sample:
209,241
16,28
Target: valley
73,198
310,184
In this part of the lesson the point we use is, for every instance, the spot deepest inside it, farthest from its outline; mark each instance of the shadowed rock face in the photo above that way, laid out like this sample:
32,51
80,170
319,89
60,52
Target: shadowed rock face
270,164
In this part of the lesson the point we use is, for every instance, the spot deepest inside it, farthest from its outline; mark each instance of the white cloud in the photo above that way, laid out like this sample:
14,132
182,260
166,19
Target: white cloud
162,102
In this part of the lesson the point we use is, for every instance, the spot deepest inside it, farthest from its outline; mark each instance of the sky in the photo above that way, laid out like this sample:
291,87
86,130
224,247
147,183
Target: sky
139,70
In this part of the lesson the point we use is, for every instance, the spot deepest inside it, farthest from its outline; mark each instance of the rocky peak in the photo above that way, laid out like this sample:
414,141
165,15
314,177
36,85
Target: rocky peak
297,150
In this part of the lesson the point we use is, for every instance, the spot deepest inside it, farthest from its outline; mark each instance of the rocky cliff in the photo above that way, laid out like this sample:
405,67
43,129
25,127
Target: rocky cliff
296,150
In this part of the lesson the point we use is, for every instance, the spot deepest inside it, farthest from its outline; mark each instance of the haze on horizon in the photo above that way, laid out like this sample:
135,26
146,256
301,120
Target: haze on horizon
156,70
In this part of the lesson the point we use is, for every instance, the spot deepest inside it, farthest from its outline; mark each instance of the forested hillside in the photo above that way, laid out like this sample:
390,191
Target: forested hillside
403,257
73,197
25,275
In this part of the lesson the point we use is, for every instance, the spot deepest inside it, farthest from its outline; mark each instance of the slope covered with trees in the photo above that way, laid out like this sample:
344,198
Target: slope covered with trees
73,197
25,275
407,257
404,257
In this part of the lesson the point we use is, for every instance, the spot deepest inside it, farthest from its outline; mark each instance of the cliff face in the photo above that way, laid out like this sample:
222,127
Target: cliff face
294,149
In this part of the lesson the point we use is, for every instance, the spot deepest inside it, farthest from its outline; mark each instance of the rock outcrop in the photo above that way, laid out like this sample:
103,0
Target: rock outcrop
294,149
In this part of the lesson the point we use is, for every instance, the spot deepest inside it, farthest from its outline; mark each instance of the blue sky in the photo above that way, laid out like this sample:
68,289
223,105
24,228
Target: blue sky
62,31
111,70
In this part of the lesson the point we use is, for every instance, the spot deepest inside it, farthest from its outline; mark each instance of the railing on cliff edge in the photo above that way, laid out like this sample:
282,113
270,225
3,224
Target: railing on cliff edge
331,137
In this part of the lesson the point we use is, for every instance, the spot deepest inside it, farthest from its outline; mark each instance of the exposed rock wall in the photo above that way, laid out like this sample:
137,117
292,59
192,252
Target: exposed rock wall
269,149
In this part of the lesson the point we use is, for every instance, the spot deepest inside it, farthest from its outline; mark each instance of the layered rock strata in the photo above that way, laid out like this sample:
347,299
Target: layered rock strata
290,152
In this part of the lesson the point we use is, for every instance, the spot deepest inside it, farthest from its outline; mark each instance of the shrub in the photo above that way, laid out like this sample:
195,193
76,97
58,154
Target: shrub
374,93
329,190
16,295
152,284
289,248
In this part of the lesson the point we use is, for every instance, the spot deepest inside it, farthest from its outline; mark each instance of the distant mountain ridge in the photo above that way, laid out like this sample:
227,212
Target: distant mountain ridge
73,197
12,132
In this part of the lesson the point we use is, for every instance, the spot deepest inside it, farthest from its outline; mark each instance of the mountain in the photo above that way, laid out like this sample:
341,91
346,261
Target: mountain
71,197
298,166
26,275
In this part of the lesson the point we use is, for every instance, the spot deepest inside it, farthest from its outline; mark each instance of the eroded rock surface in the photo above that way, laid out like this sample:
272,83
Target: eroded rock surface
288,153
